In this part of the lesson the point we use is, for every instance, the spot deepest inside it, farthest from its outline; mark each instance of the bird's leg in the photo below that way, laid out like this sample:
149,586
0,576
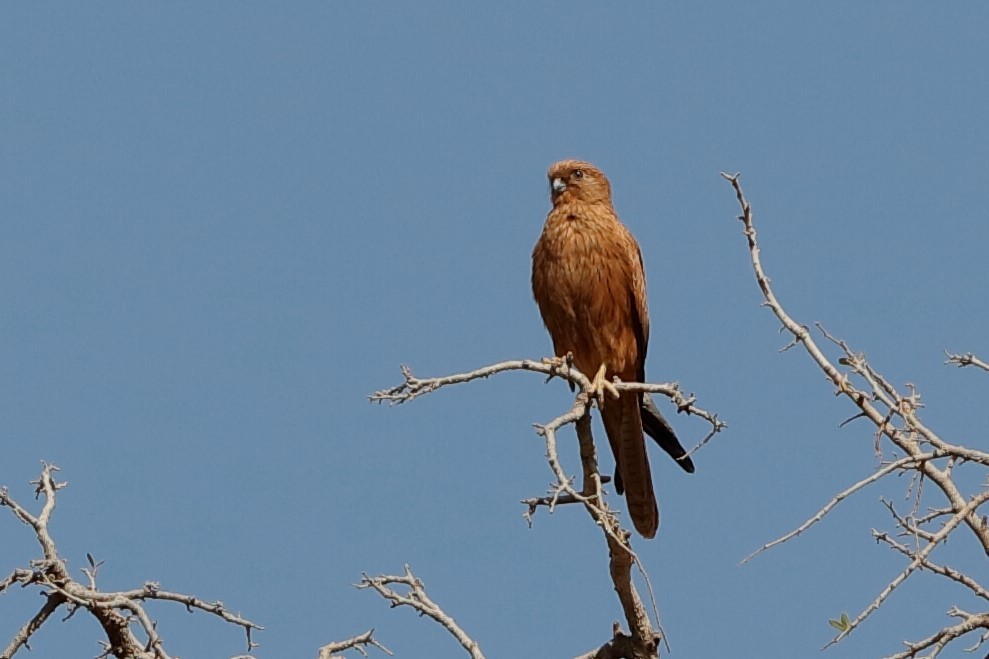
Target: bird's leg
600,385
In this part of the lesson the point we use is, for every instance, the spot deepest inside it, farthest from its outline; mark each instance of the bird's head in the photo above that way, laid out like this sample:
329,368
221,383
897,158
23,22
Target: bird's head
575,180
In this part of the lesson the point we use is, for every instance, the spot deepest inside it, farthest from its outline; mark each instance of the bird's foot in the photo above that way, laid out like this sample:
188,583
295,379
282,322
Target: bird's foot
601,386
563,364
559,362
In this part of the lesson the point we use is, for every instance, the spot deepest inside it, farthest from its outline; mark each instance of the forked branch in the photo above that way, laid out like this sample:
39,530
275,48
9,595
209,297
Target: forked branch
130,631
643,640
357,643
416,598
898,425
967,359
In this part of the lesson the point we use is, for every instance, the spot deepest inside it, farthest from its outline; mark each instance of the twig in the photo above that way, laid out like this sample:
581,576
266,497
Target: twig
621,555
34,624
939,640
417,599
895,416
115,611
357,643
902,463
943,570
967,359
413,387
563,490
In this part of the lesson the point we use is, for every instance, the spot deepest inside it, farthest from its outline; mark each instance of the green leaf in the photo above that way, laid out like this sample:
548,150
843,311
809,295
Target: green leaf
842,624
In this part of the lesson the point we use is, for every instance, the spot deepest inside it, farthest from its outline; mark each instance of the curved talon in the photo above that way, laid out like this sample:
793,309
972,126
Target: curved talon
564,363
601,385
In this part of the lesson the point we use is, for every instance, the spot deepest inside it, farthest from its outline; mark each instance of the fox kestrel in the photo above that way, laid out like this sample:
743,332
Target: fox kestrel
590,286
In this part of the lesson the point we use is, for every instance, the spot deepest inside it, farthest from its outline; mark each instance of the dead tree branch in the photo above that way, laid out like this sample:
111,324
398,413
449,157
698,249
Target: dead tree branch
619,646
899,465
121,614
898,425
357,643
414,387
417,599
939,640
967,359
643,640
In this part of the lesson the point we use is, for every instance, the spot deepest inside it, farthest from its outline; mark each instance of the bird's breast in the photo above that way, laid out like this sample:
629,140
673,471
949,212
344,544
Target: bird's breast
581,284
578,257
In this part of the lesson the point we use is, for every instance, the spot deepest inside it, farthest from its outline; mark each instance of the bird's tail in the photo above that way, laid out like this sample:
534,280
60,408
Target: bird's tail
623,425
659,429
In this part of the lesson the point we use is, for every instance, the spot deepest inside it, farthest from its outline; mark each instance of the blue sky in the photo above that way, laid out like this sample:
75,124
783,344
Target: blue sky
225,225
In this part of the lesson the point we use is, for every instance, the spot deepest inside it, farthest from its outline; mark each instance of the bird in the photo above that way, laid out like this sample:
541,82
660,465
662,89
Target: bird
589,284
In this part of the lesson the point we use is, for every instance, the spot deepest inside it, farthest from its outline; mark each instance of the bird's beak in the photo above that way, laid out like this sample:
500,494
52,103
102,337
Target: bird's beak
559,185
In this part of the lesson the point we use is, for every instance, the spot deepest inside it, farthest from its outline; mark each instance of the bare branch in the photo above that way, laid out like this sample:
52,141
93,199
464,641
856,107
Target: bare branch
902,463
895,416
620,646
939,640
417,599
24,633
943,570
621,555
909,528
967,359
414,387
115,611
563,490
22,577
357,643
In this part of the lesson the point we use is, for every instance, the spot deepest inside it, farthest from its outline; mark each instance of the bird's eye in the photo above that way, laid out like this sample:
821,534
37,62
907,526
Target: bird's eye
578,173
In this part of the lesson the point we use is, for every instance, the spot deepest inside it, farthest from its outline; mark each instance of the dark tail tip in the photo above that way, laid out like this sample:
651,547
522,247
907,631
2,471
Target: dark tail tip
657,427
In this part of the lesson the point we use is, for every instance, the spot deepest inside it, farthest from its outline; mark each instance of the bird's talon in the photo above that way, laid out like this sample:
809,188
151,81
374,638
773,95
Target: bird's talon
600,387
562,364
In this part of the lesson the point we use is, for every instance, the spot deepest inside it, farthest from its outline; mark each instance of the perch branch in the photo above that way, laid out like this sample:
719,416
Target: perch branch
563,490
413,387
357,643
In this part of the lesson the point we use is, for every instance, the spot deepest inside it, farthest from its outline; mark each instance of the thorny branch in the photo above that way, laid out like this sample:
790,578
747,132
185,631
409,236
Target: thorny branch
895,417
417,599
939,640
414,387
643,641
899,465
967,359
357,643
119,613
